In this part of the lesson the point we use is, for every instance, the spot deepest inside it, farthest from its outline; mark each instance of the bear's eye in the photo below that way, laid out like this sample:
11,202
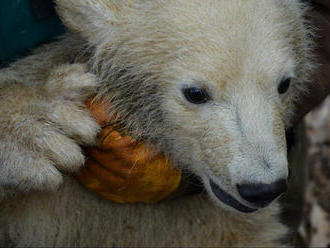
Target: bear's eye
196,95
284,85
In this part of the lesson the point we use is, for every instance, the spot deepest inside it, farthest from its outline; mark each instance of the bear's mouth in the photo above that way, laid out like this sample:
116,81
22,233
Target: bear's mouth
229,200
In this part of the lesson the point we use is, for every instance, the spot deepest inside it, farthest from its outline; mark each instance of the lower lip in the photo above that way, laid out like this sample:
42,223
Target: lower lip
229,200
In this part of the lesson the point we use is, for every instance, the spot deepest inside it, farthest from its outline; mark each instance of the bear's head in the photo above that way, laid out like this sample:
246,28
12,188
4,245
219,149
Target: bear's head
212,83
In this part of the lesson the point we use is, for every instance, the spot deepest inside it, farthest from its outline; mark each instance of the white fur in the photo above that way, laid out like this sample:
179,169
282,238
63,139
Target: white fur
143,53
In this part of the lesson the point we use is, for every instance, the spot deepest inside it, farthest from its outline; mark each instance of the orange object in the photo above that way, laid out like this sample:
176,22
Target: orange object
123,170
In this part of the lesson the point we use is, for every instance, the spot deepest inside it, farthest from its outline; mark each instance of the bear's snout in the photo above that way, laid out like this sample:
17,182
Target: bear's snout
260,195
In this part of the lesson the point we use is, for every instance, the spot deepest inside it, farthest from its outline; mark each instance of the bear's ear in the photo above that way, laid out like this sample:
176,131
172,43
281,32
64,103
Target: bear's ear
90,17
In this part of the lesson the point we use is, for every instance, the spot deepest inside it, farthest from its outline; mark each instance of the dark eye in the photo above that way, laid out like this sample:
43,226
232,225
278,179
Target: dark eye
196,95
284,86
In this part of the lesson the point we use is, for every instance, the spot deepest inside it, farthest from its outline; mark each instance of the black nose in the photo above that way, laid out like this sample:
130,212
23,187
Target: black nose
262,194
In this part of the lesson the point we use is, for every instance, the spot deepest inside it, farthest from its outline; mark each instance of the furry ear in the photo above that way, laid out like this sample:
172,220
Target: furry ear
90,17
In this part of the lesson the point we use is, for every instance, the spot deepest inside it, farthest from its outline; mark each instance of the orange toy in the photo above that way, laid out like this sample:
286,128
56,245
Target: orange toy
123,170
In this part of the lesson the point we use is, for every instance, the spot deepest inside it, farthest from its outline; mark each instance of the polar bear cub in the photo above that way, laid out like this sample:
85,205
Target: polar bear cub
211,83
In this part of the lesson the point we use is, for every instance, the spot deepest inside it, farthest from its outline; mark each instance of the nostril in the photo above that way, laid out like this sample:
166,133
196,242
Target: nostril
262,194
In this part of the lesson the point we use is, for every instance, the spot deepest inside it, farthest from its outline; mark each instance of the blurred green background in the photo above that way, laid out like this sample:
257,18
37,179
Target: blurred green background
24,24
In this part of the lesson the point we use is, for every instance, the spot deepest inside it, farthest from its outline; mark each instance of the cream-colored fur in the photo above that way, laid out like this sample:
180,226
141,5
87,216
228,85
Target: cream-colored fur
140,55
